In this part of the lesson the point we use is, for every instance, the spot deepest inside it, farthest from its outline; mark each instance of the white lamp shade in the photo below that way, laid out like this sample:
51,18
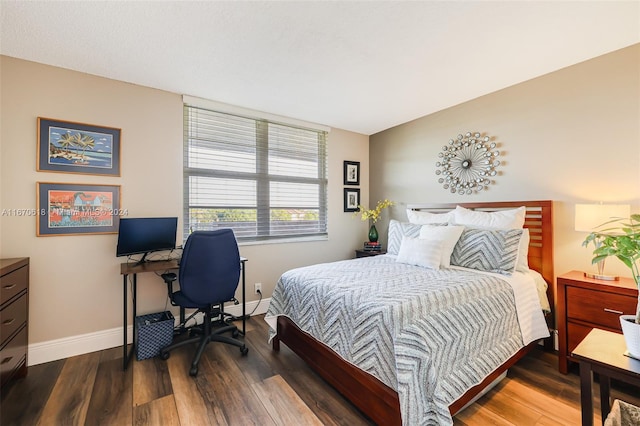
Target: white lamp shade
589,217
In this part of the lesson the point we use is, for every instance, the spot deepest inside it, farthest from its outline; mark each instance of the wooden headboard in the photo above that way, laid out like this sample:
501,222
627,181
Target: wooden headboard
539,221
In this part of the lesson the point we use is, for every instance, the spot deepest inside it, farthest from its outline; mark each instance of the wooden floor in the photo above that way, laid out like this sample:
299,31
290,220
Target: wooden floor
263,388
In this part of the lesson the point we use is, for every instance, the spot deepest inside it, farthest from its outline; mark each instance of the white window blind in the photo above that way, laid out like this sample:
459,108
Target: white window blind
263,179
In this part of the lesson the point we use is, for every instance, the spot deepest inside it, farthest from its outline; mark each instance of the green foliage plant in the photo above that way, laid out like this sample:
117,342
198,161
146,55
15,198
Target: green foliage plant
621,241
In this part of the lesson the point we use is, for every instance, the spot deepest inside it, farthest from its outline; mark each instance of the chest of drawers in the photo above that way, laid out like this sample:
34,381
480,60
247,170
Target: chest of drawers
585,303
14,315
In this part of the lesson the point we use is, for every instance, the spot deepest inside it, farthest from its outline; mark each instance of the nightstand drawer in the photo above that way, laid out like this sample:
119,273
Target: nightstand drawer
598,307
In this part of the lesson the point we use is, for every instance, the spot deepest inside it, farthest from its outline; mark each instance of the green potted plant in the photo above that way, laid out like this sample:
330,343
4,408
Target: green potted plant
623,242
373,215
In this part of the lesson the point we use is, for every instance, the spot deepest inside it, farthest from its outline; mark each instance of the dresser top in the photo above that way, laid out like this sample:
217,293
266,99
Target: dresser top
11,264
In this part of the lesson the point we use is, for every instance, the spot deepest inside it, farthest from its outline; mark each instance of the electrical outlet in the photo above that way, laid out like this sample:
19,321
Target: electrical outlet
257,288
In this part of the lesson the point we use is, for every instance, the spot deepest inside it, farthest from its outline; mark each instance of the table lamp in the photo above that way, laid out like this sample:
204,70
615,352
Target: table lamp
590,217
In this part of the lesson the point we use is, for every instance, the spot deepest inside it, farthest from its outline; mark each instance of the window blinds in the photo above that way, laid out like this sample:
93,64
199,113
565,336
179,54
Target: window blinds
263,179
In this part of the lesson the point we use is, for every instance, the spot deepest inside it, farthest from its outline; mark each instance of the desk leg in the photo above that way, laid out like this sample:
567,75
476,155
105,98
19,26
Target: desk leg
605,403
126,355
134,303
124,324
244,300
586,394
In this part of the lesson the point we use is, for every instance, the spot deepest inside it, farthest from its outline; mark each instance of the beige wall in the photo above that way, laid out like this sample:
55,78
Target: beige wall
572,136
75,283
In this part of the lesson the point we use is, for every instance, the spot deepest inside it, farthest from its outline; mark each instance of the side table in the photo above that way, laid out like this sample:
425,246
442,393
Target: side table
602,352
367,253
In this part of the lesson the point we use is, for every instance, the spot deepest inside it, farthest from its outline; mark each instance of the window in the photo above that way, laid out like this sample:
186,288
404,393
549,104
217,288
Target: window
264,179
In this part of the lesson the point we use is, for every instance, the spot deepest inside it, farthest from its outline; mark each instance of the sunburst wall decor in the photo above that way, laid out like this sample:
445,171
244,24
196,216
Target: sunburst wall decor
468,163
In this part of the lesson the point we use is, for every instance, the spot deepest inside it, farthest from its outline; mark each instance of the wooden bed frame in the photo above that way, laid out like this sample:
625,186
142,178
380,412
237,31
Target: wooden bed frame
375,399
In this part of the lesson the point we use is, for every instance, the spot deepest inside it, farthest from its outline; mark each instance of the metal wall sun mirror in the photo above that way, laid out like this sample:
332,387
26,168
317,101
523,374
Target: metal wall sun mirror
467,163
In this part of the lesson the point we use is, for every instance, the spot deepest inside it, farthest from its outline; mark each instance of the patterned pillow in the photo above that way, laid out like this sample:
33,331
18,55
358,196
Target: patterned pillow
491,250
397,230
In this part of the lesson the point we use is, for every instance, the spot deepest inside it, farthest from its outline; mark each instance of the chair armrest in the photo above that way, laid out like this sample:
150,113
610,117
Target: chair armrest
169,278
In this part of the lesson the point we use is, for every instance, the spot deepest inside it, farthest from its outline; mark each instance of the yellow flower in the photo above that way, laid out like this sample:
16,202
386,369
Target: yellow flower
373,214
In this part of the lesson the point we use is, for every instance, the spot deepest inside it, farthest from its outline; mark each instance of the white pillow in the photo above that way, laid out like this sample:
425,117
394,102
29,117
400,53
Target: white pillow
397,230
502,219
425,218
425,253
522,264
448,235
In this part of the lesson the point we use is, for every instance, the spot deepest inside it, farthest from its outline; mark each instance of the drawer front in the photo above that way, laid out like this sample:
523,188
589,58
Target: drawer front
12,317
13,283
12,355
598,307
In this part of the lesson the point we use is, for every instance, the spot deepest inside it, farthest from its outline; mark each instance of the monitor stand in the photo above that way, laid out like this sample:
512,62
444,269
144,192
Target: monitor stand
142,260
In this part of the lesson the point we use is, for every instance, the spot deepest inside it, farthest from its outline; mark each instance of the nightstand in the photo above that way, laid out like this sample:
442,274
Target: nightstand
364,253
585,303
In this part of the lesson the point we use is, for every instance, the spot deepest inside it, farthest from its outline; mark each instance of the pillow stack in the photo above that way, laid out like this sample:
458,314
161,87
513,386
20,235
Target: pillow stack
486,241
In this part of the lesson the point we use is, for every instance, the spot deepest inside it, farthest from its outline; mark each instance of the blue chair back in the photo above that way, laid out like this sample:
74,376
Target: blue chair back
210,267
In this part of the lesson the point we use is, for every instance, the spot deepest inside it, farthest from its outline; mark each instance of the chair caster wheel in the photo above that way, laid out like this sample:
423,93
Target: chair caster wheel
193,372
244,350
165,355
235,333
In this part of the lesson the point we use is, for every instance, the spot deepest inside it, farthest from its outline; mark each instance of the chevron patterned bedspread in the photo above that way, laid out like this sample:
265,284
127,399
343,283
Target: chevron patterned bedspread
430,335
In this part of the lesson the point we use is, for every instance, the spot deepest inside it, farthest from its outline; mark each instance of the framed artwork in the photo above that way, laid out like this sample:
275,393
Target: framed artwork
351,199
68,147
352,173
73,209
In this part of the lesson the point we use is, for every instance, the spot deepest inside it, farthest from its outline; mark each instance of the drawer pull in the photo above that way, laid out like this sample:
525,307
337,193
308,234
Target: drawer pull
9,287
613,311
6,360
9,321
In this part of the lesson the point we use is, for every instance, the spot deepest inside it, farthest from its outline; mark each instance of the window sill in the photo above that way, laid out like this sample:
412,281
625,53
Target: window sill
285,240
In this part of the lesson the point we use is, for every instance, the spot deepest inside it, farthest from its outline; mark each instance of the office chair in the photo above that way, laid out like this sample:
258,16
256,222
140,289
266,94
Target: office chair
208,276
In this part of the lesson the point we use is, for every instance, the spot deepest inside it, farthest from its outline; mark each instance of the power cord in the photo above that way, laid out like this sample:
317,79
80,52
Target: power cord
258,304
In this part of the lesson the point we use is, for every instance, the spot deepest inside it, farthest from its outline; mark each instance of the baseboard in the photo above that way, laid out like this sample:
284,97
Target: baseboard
53,350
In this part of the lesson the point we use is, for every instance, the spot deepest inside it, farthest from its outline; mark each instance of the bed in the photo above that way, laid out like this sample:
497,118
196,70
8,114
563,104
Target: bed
383,364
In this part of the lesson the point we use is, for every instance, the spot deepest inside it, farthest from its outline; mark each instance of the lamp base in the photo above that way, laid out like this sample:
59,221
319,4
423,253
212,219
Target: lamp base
602,277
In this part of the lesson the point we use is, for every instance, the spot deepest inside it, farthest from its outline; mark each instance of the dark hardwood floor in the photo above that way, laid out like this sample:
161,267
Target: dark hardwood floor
263,388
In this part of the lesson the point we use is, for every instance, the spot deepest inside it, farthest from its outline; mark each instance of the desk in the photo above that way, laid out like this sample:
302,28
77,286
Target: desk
602,352
127,269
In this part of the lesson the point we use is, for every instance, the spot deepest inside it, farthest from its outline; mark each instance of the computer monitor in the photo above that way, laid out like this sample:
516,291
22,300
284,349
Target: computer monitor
146,235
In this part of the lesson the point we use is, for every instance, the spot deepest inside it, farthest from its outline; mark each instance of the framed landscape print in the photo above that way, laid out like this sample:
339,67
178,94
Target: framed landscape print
68,147
72,209
351,199
352,173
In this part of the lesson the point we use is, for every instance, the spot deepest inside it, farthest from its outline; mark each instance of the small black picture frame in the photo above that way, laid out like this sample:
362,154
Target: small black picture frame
352,173
351,199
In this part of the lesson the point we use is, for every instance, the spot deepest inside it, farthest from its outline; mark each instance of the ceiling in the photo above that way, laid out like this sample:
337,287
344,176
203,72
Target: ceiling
355,65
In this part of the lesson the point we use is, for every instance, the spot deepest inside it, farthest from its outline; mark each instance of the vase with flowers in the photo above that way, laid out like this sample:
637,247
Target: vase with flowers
373,215
623,242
